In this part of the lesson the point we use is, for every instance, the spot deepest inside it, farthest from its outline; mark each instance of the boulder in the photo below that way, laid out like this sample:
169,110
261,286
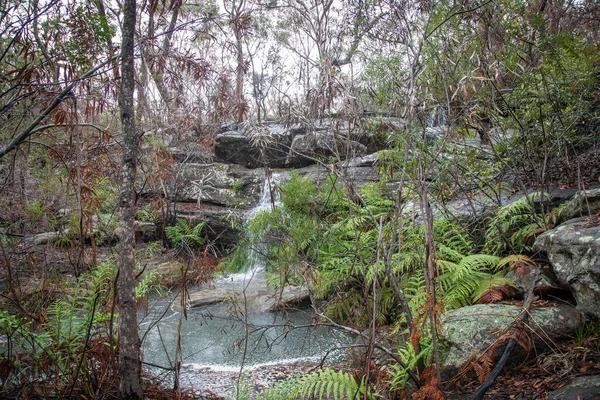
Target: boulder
369,160
472,329
252,292
305,149
353,172
46,238
573,249
202,298
145,230
258,146
221,184
228,126
545,287
584,203
274,142
580,388
289,296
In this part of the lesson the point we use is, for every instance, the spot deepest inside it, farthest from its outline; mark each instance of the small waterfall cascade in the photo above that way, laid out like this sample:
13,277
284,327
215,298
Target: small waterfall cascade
268,200
253,279
436,118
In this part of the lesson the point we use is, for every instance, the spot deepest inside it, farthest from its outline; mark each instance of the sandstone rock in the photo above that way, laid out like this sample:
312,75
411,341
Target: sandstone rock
258,146
368,160
221,184
46,238
580,388
584,203
574,252
546,285
470,329
228,126
321,144
289,296
145,230
207,297
235,147
353,176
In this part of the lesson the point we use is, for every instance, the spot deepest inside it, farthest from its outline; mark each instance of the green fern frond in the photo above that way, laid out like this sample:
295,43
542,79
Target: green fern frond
460,280
448,253
512,224
324,384
399,375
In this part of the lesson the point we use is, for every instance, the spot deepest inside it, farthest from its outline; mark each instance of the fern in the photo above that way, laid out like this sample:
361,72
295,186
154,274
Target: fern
464,283
323,384
183,237
399,375
512,224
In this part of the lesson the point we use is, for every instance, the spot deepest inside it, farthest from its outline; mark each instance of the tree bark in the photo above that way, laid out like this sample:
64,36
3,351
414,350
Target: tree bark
129,342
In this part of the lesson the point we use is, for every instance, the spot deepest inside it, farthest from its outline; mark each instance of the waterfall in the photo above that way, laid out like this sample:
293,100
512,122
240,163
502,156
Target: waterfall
268,200
254,274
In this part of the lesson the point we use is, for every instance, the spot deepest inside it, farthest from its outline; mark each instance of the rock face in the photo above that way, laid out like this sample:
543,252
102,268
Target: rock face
227,185
322,144
574,252
470,329
235,147
581,388
223,224
584,203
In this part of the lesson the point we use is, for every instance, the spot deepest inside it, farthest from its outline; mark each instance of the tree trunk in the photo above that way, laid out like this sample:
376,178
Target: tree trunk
129,342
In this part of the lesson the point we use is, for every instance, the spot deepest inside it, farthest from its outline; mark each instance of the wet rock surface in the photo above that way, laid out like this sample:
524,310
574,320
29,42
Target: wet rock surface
573,249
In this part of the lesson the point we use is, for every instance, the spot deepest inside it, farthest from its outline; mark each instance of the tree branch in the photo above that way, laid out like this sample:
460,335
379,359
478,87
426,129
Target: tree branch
31,128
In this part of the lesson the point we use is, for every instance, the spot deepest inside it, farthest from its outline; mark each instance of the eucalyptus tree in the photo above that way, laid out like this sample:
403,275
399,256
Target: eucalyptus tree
322,37
129,341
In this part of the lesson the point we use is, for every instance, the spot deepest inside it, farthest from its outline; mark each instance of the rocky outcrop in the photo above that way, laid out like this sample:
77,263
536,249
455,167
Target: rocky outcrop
305,149
255,147
472,329
257,296
574,252
584,203
235,147
223,225
289,296
352,172
545,287
45,238
227,185
276,146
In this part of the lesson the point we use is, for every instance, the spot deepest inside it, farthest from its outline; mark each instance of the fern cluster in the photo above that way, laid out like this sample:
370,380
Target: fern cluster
511,230
185,237
322,384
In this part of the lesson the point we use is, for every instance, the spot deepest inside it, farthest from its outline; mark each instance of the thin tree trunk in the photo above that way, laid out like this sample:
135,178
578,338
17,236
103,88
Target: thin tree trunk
129,342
